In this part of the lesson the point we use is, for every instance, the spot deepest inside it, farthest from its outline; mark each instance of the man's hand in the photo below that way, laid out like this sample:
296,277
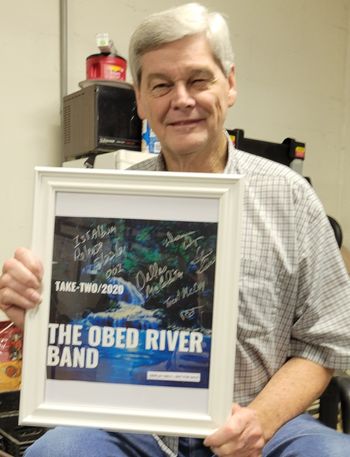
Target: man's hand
20,285
241,436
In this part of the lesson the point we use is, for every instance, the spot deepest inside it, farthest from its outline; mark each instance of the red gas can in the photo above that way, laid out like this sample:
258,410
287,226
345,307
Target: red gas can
106,67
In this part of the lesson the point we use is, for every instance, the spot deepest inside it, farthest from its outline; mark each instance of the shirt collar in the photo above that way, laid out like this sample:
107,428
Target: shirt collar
230,166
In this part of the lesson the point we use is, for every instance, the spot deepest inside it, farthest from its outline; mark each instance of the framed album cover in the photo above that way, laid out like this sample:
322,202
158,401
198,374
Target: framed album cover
137,327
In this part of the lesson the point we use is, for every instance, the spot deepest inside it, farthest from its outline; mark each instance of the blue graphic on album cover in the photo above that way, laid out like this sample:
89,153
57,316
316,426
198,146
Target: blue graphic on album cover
132,301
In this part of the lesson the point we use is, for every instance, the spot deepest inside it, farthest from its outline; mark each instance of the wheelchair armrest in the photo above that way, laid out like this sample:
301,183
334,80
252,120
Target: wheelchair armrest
337,393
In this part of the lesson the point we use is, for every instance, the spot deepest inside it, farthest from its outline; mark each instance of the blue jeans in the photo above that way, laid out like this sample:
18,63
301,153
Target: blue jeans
300,437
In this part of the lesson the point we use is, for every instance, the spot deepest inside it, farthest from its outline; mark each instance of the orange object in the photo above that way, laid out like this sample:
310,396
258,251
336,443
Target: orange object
300,152
106,67
11,343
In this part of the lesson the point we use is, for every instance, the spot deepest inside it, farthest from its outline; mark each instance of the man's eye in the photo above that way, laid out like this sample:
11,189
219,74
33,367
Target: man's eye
200,83
160,89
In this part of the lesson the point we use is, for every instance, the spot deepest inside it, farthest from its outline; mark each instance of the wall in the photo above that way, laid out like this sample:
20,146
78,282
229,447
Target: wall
344,163
29,110
292,60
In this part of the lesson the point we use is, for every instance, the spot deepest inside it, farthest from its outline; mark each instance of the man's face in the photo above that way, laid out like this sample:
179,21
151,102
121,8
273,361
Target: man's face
185,96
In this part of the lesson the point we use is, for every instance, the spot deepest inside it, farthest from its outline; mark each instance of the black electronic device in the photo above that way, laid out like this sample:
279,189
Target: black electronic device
100,118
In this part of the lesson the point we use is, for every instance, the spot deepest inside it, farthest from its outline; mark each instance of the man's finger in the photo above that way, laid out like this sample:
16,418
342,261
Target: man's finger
9,297
15,269
231,430
31,261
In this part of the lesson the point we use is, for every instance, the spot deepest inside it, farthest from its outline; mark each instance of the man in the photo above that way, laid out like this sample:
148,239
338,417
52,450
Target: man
294,291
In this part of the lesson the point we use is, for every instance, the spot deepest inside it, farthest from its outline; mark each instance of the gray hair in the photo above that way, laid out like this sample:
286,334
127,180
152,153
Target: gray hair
174,24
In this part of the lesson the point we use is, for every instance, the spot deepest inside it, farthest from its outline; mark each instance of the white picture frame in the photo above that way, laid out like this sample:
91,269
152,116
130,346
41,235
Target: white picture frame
208,200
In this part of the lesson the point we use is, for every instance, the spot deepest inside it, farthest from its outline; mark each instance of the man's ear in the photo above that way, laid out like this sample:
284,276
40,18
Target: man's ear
140,108
232,93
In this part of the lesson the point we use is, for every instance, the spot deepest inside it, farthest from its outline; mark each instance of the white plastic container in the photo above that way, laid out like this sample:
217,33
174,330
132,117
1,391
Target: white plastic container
119,160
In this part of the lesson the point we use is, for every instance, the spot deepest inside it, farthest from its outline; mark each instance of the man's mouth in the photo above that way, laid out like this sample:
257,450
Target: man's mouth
185,122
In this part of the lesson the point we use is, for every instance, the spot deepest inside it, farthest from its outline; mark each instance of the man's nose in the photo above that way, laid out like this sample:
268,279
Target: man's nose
182,97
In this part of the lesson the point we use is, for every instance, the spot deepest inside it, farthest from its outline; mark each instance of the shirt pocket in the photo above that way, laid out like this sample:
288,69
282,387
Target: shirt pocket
257,298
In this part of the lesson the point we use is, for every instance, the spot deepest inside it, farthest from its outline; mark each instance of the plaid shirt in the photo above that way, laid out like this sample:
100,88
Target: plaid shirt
294,295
